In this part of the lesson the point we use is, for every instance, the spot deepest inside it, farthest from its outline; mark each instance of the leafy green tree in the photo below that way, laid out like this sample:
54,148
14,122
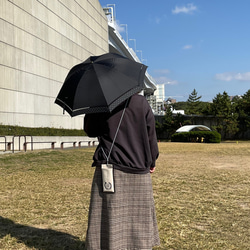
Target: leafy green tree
163,128
158,128
221,105
243,109
179,122
206,108
246,103
168,122
168,118
180,105
194,104
224,110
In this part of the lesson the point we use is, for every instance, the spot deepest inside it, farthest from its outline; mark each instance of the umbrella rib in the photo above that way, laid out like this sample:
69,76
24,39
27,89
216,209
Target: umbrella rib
114,70
71,109
94,67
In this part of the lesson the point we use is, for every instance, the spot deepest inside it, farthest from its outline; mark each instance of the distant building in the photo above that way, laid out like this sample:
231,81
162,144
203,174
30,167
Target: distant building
160,99
152,101
171,101
188,128
160,92
180,111
235,96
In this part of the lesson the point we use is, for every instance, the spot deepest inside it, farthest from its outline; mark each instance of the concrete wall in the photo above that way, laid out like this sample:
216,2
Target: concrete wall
18,143
40,40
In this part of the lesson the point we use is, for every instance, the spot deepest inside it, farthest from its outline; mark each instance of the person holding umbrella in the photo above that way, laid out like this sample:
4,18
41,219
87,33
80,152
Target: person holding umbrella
126,218
122,211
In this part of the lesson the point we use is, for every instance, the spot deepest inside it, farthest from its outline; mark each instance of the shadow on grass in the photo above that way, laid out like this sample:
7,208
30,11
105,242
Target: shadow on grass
42,239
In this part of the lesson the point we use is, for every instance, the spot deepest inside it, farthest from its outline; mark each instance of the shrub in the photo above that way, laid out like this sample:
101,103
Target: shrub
17,130
197,136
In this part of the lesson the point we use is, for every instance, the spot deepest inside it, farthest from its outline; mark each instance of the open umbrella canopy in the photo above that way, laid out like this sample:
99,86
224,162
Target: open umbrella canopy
100,84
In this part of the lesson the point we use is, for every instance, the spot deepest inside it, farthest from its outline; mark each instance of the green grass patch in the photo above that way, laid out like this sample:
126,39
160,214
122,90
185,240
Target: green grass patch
201,196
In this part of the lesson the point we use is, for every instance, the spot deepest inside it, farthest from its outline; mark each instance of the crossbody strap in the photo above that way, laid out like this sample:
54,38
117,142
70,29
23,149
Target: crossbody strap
107,157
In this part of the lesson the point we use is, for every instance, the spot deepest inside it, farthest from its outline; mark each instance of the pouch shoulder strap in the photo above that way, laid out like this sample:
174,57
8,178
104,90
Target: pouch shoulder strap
119,124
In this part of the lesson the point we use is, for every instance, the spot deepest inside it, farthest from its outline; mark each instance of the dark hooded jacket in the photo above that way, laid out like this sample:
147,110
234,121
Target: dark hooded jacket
135,149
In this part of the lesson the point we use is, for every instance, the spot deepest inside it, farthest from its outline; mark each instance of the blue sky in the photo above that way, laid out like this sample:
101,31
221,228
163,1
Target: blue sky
200,44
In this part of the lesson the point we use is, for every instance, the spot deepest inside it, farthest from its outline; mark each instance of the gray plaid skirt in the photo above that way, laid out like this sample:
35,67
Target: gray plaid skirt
124,220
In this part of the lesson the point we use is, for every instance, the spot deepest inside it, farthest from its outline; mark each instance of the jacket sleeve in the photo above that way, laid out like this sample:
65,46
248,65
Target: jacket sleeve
152,136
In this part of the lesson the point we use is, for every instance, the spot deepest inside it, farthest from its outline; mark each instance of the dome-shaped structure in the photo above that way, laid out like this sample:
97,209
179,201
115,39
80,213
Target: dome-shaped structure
189,128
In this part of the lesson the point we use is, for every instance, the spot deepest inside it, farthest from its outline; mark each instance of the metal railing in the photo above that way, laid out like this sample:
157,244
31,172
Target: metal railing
19,140
5,142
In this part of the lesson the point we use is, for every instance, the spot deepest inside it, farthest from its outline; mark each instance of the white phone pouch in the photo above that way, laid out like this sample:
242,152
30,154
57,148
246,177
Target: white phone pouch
107,169
108,178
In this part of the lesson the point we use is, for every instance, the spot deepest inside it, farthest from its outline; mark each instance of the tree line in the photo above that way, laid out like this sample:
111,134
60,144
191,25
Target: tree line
231,117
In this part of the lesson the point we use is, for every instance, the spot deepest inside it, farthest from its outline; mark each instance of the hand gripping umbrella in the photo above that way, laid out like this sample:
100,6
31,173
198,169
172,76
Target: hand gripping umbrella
100,84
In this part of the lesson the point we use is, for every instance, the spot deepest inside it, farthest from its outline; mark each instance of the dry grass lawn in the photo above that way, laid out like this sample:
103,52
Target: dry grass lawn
201,195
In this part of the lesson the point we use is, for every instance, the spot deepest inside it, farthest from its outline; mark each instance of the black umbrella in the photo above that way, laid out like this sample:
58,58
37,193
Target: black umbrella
100,84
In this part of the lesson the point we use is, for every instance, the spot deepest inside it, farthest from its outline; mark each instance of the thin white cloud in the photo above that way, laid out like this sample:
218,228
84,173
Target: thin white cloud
161,77
171,82
230,76
243,76
165,80
162,71
188,46
155,20
224,77
190,8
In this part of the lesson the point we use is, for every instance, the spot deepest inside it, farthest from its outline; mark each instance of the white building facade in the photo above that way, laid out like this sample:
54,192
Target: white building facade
160,99
40,40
